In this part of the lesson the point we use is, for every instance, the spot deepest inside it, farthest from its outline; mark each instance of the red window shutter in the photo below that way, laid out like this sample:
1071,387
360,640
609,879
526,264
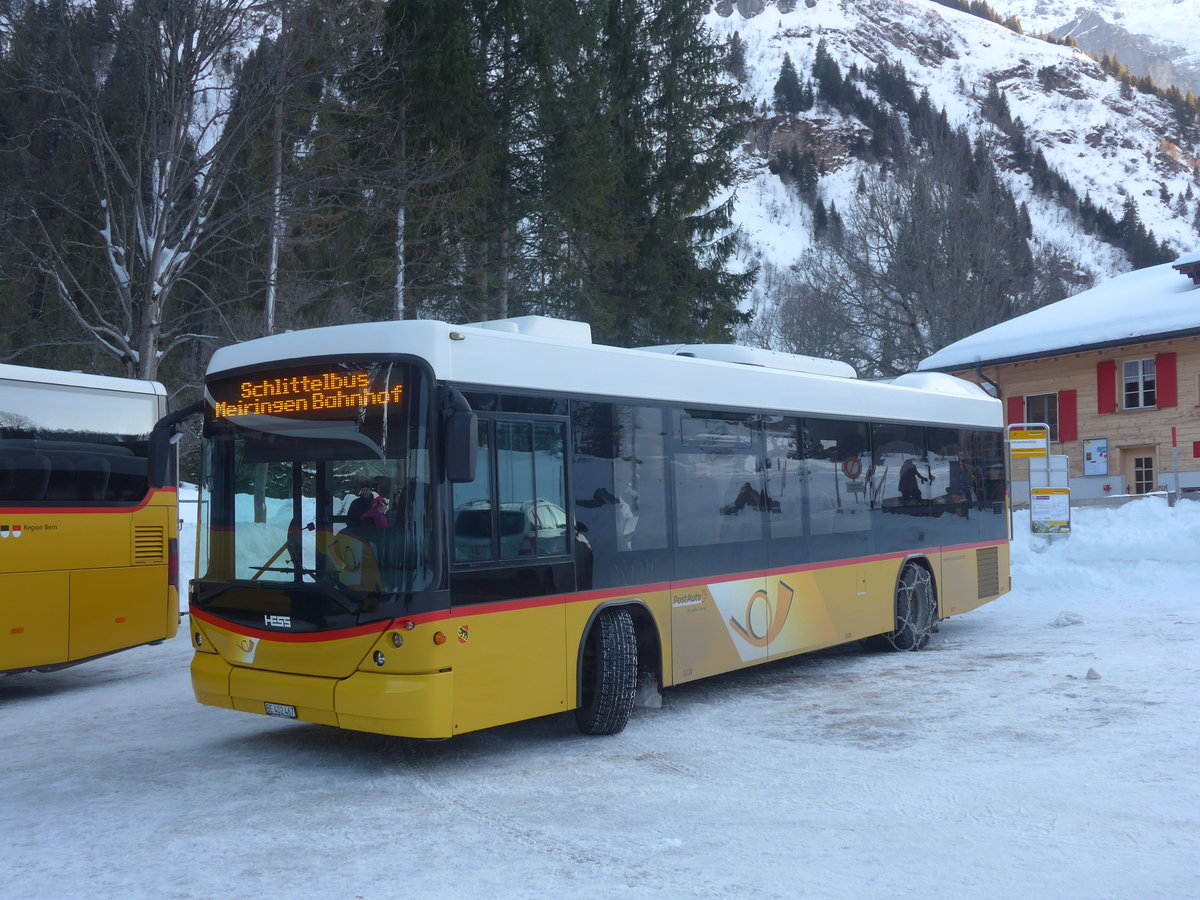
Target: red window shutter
1106,386
1195,449
1016,410
1068,430
1166,391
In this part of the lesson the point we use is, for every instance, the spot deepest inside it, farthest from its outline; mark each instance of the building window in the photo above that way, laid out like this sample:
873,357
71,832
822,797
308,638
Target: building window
1043,408
1139,382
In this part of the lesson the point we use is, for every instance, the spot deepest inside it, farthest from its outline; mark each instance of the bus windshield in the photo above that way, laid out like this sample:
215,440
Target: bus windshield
321,475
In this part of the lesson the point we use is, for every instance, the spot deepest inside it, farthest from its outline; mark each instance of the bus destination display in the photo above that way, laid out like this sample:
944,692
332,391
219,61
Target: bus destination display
319,392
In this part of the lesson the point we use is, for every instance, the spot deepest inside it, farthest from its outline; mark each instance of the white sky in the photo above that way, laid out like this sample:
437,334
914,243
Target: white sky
988,766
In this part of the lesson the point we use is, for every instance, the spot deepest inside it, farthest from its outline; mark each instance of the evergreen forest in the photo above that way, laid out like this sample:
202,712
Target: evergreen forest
175,176
179,175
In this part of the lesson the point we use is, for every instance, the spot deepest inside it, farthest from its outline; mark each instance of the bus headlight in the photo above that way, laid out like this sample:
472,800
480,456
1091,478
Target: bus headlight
380,659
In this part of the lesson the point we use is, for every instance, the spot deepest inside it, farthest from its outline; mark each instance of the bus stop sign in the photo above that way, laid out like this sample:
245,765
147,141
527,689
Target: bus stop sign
1027,440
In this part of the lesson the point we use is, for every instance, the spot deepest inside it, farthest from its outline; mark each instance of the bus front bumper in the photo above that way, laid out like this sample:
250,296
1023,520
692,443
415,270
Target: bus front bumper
415,706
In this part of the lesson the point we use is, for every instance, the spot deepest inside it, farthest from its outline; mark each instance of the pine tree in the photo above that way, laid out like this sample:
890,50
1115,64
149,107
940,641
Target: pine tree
827,75
676,123
735,61
820,218
788,93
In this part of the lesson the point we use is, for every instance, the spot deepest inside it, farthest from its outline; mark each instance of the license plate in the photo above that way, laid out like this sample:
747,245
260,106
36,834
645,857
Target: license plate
280,709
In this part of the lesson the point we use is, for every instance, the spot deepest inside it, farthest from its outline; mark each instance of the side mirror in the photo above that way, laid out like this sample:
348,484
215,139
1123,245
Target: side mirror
461,445
163,439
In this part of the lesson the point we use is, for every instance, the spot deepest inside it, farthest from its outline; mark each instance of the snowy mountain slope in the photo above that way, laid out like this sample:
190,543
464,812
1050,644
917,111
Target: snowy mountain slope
1109,147
1156,37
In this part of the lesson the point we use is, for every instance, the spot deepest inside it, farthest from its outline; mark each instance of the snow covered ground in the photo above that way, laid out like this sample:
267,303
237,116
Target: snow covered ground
990,765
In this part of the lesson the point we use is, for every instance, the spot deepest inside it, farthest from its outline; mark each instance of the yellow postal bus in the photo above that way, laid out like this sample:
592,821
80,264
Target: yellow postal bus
88,518
561,524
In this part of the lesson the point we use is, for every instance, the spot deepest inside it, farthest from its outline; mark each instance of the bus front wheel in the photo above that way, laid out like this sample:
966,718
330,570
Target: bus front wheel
916,612
608,676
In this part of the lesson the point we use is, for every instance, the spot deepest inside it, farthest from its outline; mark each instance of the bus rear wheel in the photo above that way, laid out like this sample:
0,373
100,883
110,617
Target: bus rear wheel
608,678
916,612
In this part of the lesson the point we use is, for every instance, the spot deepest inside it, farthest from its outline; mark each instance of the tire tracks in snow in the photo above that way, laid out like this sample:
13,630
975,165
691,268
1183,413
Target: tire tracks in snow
635,868
436,786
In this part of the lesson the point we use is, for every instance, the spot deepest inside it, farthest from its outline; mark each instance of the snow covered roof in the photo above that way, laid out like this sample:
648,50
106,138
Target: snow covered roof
1189,265
1148,304
80,380
523,359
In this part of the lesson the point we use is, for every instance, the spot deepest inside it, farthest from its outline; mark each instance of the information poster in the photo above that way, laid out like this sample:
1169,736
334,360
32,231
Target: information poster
1095,456
1050,510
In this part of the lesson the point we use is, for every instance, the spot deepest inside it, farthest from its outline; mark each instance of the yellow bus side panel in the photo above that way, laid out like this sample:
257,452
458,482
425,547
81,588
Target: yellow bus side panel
33,619
716,627
210,680
116,608
963,587
54,542
877,612
728,625
508,666
830,606
417,706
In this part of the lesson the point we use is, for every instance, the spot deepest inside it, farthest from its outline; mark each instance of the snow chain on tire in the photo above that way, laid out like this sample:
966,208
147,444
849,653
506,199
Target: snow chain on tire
916,612
916,609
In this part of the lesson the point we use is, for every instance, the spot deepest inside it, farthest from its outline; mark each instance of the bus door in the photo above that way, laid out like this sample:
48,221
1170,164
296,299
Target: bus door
512,561
722,617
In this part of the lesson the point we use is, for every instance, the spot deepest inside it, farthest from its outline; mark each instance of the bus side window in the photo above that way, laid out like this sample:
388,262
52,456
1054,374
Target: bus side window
6,477
473,506
31,477
618,484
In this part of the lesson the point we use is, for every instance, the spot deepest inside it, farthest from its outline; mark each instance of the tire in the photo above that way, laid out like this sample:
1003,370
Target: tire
609,671
916,612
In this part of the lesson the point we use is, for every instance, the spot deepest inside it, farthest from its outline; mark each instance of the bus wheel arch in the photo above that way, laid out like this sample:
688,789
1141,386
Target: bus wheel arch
618,649
915,609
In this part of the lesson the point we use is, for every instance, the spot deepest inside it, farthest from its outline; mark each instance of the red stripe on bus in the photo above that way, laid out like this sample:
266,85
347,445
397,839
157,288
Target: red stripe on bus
307,637
815,567
477,609
95,510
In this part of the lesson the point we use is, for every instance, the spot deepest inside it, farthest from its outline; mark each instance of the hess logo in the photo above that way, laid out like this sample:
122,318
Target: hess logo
763,620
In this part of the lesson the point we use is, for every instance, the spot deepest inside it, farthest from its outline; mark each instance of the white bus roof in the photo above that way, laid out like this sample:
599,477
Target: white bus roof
522,358
80,379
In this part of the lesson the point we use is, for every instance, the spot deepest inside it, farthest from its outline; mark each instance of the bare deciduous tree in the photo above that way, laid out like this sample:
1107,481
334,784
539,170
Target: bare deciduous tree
923,260
150,115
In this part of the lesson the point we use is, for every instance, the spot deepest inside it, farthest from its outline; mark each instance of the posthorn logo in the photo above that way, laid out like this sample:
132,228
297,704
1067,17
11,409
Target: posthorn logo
10,531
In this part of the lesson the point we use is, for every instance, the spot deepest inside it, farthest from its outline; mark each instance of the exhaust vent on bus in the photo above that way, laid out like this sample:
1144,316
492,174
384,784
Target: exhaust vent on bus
149,545
757,356
540,326
987,564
